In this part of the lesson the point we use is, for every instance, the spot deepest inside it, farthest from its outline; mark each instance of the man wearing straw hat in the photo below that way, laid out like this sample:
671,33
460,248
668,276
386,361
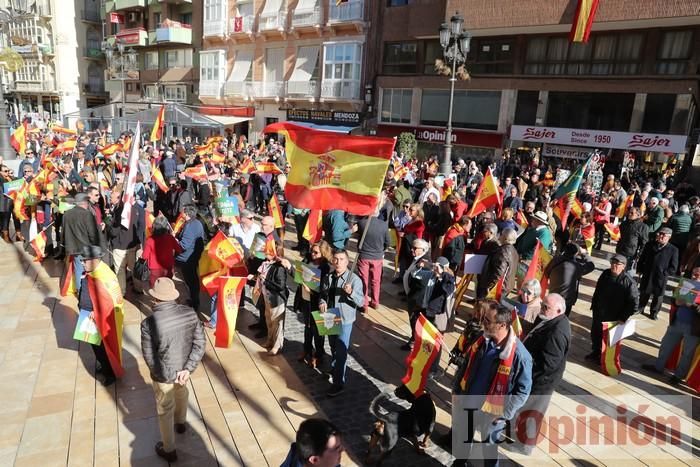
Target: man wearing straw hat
172,342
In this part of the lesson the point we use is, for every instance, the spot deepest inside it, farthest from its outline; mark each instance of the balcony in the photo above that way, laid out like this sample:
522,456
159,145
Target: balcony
35,86
276,21
174,34
93,53
340,90
214,28
210,88
236,88
306,18
266,89
117,5
43,8
136,37
302,89
350,12
242,25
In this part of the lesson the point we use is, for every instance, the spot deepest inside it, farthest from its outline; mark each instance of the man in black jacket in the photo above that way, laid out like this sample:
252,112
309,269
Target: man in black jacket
503,261
565,272
616,298
548,344
634,234
658,260
172,343
79,230
125,242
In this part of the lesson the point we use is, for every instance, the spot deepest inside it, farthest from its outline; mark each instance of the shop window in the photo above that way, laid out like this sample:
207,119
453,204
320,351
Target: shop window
400,58
432,51
658,113
674,52
491,56
396,105
472,109
526,107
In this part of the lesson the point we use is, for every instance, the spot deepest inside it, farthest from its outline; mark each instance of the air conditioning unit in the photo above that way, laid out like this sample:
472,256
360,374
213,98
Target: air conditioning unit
133,17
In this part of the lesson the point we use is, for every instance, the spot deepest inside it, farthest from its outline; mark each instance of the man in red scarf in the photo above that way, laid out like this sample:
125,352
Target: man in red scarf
493,381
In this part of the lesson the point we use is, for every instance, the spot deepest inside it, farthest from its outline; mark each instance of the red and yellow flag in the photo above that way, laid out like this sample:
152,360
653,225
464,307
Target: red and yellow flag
157,130
247,166
328,170
39,245
66,146
110,149
613,230
107,302
610,355
273,206
67,282
217,157
198,172
624,206
425,350
62,130
583,20
267,168
496,292
179,223
516,325
149,223
313,229
487,195
157,177
540,259
18,140
227,304
521,219
226,250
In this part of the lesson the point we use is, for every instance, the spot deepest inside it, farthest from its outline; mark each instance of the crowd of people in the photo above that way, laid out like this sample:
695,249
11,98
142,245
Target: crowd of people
426,224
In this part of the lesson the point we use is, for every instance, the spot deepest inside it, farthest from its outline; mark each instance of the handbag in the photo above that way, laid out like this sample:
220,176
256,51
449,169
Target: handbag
141,271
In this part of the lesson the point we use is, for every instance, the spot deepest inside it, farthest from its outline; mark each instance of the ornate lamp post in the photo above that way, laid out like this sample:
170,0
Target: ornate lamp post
118,58
455,44
15,11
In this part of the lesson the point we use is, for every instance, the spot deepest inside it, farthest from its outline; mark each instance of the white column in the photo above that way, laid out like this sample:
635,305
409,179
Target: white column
640,102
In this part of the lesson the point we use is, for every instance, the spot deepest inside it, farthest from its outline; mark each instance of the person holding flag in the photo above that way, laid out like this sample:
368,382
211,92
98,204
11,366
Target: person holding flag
634,234
502,262
538,230
192,241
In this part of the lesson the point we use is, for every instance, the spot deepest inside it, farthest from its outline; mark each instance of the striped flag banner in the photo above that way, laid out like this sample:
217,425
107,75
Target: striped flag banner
613,230
610,354
149,223
68,283
157,130
313,229
157,177
425,350
273,207
227,304
107,302
39,245
583,20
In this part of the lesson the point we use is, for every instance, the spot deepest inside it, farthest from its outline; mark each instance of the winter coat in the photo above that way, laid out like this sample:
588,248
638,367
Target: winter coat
615,298
548,343
564,274
502,262
336,229
680,223
655,217
276,284
656,263
634,234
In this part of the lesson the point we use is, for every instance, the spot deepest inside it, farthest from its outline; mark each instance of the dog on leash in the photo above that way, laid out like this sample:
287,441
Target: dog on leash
414,422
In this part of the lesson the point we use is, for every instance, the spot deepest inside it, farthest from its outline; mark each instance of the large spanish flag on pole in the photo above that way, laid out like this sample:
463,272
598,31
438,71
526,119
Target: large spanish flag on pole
331,171
540,260
225,249
157,177
421,358
487,195
227,303
157,130
107,303
273,207
128,197
583,20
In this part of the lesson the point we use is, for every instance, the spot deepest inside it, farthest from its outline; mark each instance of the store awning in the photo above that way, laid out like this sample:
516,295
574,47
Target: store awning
333,128
227,120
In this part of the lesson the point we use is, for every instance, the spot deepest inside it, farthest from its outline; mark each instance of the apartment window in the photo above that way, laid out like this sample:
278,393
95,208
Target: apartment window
274,64
590,110
186,18
526,107
151,60
175,93
491,56
400,58
396,105
397,2
245,8
432,52
342,63
213,9
658,113
472,109
210,66
150,91
157,20
178,58
674,52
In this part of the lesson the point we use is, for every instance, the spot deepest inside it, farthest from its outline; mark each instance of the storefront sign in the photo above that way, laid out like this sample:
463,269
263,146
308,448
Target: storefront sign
323,117
130,36
599,139
438,135
565,152
116,18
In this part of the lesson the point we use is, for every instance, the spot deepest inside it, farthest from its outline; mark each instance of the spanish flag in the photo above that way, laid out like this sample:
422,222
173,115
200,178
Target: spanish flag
425,350
107,302
217,157
149,223
267,168
613,231
247,166
400,173
516,325
179,223
157,130
329,170
241,143
210,269
110,149
198,172
68,282
18,140
66,146
227,304
567,205
521,219
540,260
273,207
226,250
157,177
313,229
39,245
65,131
583,20
624,206
487,195
610,355
19,207
261,146
496,292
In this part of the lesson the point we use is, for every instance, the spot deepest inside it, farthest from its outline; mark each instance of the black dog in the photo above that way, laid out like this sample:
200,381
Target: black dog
417,421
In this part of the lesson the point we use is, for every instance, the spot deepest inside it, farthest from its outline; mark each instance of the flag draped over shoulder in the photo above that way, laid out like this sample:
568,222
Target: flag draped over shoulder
313,229
273,207
571,184
613,230
540,260
227,303
157,130
129,199
487,195
421,358
624,206
107,303
583,20
157,177
329,171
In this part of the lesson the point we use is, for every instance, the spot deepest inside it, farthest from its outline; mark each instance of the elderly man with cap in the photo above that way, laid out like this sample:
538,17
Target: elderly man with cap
172,342
79,230
538,230
659,259
615,298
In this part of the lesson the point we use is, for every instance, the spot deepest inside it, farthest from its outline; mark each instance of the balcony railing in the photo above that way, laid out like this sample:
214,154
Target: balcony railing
306,17
210,88
340,89
349,11
215,28
175,34
124,4
302,88
236,88
266,89
40,86
133,37
273,21
242,25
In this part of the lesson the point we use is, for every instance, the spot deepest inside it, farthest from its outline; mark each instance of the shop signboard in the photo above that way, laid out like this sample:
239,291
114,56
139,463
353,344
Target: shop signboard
324,117
599,139
566,152
439,135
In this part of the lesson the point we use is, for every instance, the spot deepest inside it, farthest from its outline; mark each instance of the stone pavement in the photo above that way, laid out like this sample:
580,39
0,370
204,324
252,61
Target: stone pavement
245,405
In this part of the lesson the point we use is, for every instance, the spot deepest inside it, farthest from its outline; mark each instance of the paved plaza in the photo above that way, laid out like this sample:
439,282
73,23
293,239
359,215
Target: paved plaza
245,405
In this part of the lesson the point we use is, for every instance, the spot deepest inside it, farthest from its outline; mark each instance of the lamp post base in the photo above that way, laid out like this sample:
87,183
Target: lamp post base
446,162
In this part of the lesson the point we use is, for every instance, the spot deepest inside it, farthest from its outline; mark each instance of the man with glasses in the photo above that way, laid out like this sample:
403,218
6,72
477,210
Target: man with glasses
615,298
659,259
29,160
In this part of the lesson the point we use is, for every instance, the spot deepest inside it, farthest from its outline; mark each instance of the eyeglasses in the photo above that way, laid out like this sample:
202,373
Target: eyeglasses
416,248
527,292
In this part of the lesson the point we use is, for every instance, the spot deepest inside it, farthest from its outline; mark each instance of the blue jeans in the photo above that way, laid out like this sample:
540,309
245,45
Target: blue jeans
339,353
676,333
212,309
78,269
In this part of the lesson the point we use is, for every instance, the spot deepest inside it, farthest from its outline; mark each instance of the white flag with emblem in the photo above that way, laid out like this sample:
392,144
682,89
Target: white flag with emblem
128,199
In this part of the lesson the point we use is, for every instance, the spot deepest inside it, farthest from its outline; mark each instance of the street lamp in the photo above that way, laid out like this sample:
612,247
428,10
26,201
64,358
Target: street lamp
455,45
118,57
15,11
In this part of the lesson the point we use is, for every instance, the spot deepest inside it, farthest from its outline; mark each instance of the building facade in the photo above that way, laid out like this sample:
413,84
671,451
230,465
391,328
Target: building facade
165,36
264,61
637,73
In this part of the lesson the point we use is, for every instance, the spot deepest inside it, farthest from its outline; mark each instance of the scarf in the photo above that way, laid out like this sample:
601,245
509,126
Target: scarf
495,399
453,232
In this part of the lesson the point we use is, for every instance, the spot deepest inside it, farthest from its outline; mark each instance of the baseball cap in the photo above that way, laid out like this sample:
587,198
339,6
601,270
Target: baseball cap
618,259
665,231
